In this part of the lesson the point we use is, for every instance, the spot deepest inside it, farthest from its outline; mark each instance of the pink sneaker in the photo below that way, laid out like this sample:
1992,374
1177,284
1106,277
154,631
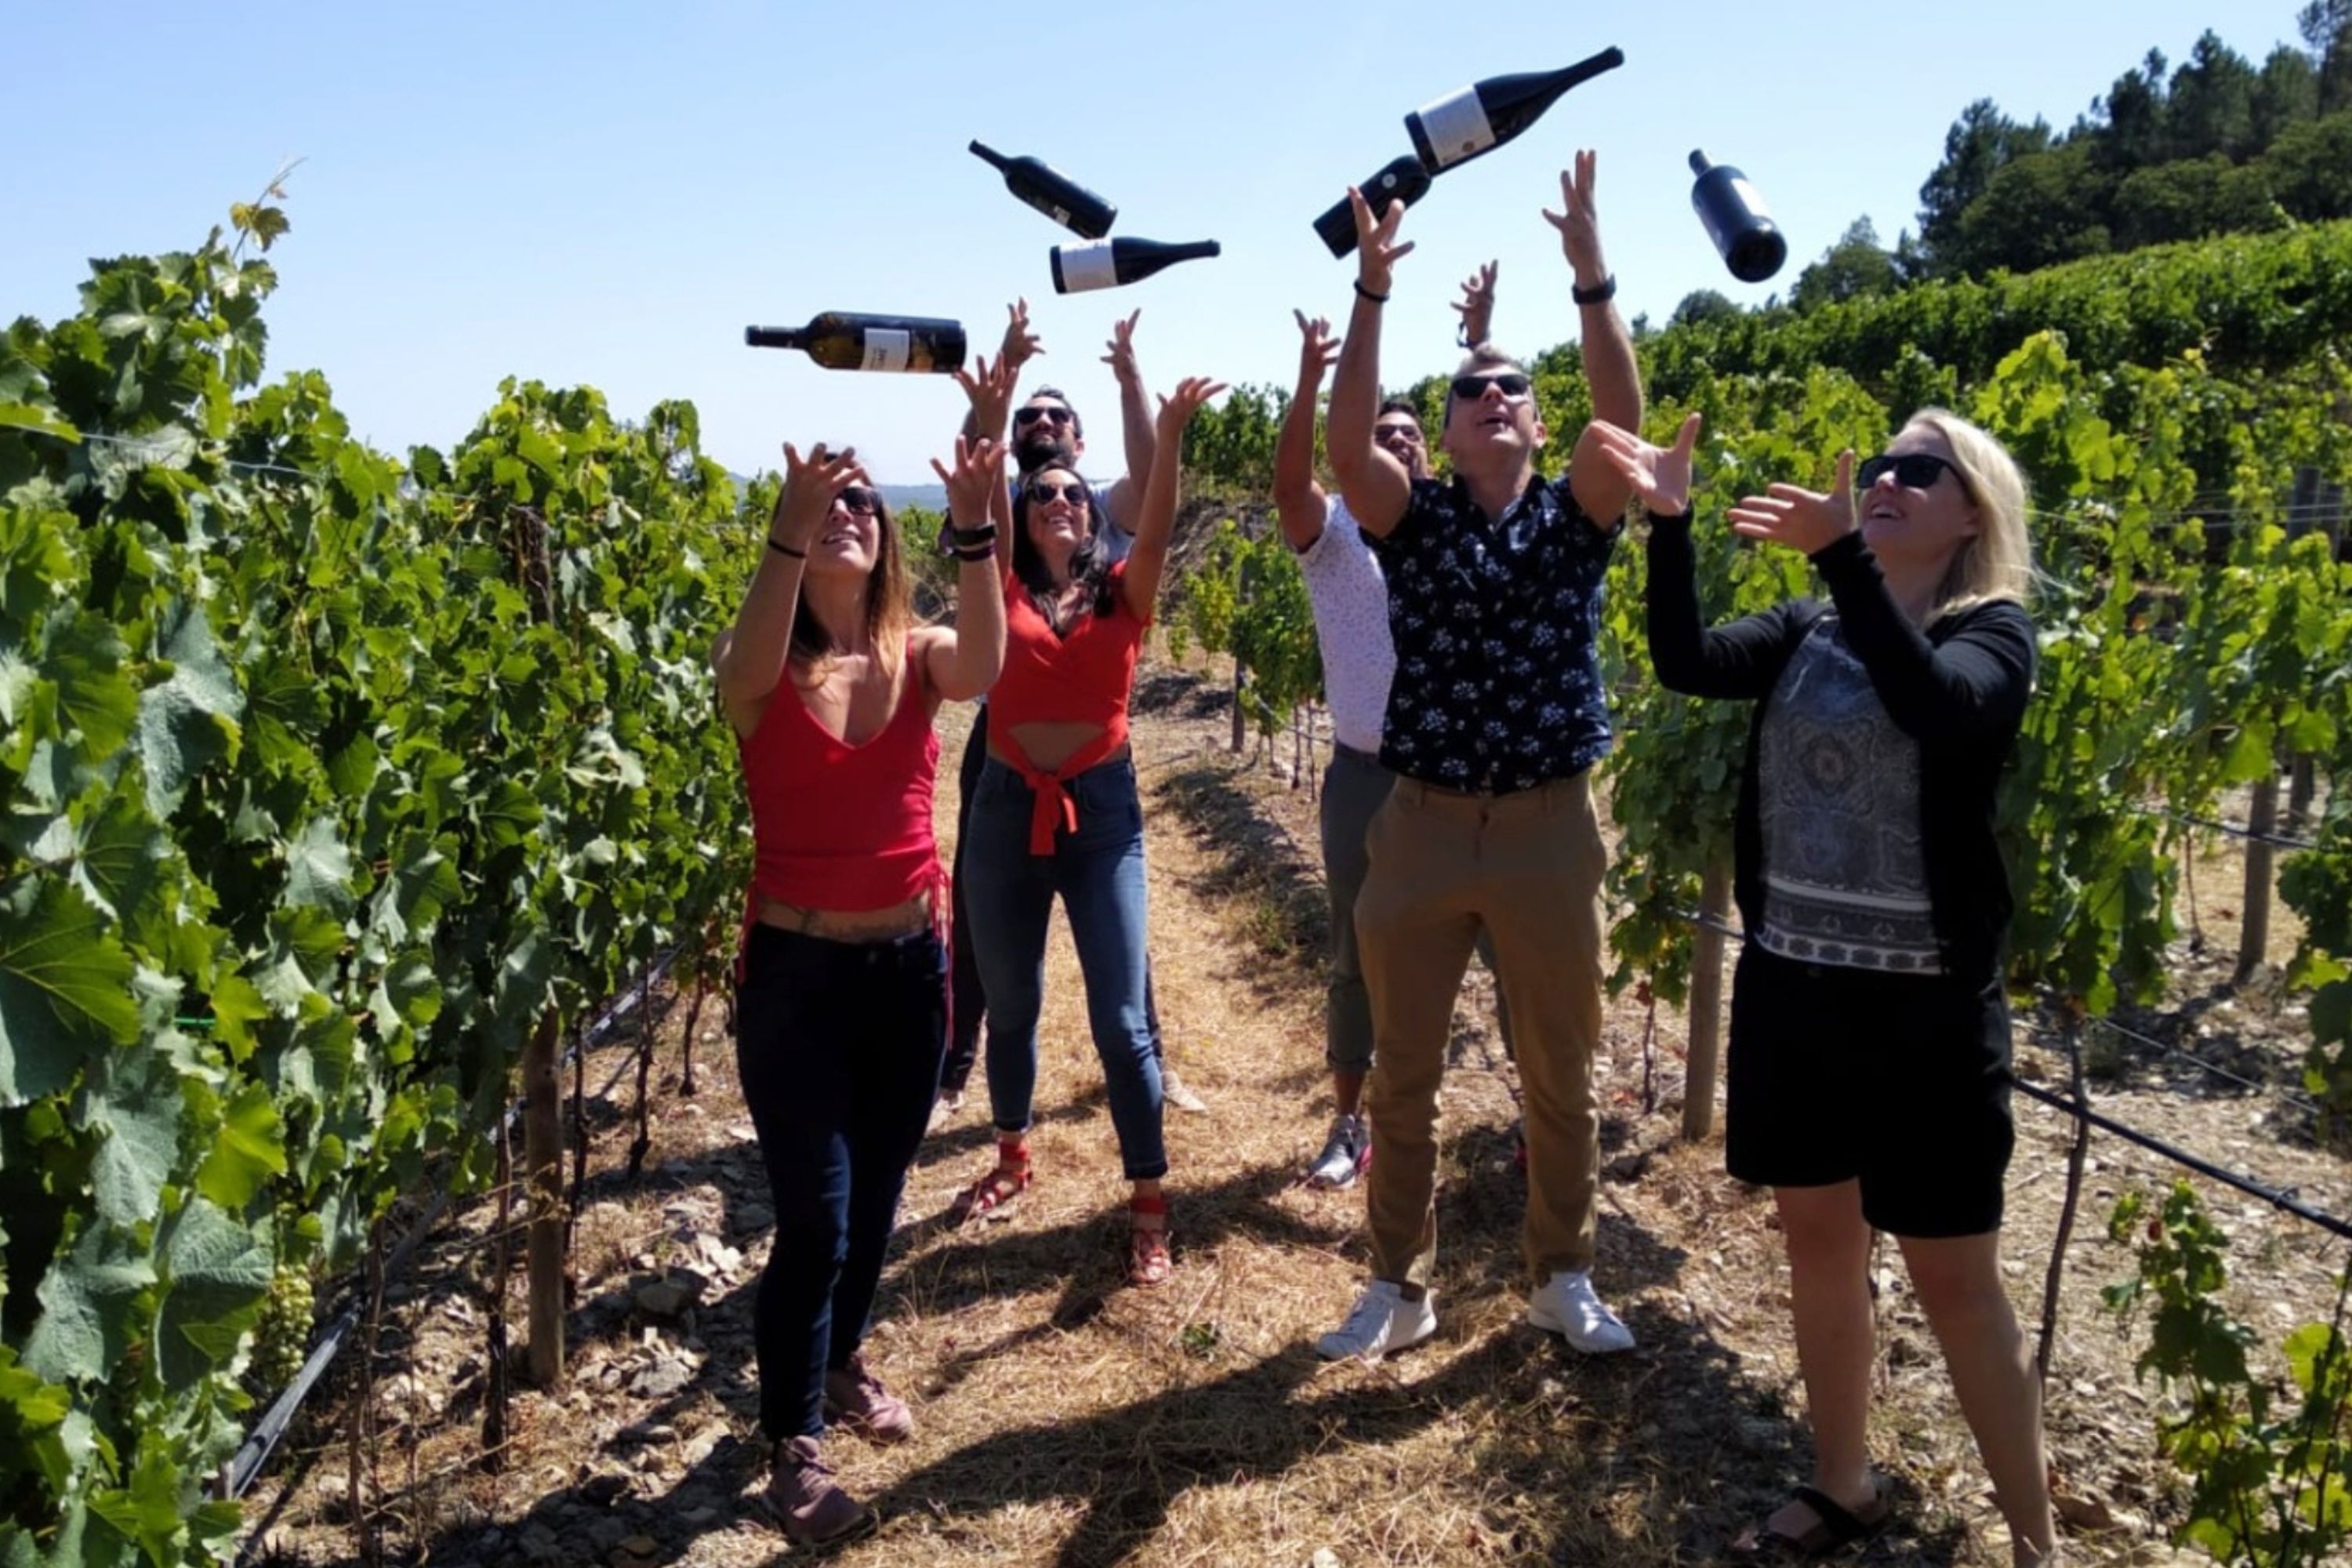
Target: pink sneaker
855,1398
808,1502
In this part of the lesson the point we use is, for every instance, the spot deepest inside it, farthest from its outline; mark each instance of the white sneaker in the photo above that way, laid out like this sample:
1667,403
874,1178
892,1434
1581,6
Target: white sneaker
1568,1307
1174,1091
1382,1322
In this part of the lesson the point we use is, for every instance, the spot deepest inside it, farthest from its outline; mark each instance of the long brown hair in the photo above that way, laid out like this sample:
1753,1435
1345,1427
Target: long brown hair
889,607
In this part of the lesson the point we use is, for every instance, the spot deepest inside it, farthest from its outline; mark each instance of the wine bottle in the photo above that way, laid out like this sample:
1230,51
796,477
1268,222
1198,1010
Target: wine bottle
1052,193
844,340
1482,117
1405,180
1111,263
1749,242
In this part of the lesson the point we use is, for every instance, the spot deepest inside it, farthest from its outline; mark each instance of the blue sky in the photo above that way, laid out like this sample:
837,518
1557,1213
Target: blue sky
608,194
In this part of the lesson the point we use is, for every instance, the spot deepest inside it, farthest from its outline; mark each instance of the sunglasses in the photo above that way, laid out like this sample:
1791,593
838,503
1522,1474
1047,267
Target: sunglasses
1401,430
1028,417
1471,388
1071,491
858,498
1912,470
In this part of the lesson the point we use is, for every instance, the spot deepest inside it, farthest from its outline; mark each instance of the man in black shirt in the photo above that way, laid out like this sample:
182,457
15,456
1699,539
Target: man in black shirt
1495,717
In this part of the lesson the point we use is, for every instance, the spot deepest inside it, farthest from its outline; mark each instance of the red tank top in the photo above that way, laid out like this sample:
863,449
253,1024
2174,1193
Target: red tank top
1084,678
836,827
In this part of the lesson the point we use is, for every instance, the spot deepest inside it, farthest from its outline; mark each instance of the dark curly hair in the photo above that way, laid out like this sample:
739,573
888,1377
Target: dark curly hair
1088,566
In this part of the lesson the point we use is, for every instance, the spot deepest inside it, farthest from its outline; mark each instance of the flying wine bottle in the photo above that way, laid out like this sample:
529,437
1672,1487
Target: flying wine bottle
1405,180
1052,193
844,340
1482,117
1112,263
1749,242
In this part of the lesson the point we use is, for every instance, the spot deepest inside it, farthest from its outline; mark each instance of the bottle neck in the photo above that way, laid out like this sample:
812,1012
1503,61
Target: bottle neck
991,155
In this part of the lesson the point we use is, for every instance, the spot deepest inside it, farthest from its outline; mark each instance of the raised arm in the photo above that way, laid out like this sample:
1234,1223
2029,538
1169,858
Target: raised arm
1149,559
1020,346
1739,660
965,660
1611,371
1969,690
749,660
1135,423
1476,306
1375,485
1299,504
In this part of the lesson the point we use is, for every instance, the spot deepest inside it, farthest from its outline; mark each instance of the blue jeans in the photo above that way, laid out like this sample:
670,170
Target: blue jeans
837,1045
1009,893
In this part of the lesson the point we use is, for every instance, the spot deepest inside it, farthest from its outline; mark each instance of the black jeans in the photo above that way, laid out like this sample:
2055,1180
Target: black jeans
970,997
838,1046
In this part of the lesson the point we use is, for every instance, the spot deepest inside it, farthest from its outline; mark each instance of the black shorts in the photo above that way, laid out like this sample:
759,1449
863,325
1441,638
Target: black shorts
1898,1081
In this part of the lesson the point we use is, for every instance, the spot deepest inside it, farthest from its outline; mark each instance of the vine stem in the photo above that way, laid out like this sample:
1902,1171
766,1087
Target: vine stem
2074,1159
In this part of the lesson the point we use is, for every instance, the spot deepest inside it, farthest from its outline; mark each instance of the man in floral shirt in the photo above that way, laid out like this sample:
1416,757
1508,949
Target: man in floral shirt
1495,715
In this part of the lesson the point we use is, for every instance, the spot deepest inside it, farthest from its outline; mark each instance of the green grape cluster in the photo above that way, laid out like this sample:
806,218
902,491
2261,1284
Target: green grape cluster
282,1336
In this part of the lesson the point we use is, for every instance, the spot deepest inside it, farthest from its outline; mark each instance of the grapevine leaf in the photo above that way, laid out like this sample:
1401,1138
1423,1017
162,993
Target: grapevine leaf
91,1312
25,417
133,1106
32,1421
84,655
237,1007
64,985
188,722
250,1148
318,870
147,1512
217,1273
125,862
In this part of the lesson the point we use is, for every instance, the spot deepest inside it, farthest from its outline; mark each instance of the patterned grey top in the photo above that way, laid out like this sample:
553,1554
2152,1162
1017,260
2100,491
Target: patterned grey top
1844,879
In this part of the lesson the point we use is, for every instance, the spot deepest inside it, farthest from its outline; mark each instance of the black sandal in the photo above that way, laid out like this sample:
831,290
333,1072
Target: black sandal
1834,1527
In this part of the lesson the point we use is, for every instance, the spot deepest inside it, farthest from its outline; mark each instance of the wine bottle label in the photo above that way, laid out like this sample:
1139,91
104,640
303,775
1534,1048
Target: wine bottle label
1088,266
886,349
1456,127
1747,193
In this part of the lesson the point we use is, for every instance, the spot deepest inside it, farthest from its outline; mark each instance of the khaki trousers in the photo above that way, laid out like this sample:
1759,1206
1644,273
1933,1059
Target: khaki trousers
1528,866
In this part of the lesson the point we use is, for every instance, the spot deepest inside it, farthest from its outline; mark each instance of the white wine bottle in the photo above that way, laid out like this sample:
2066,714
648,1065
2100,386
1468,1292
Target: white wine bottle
1482,117
1052,193
1112,263
845,340
1403,180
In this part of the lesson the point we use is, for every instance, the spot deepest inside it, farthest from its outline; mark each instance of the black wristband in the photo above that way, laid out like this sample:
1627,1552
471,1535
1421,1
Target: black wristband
1601,293
974,553
1367,293
1683,516
984,534
786,550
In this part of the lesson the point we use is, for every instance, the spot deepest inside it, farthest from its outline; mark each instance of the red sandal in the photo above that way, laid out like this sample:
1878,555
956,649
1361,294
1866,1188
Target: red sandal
1148,1262
998,1191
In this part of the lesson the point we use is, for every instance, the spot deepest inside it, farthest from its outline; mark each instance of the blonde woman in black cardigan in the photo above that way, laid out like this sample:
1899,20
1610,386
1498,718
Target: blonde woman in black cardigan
1868,1077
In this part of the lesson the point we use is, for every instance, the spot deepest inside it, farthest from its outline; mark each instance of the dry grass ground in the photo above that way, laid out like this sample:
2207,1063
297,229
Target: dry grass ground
1066,1419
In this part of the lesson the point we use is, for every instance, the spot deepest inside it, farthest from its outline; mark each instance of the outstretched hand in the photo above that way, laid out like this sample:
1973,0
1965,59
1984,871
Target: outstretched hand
1377,250
990,388
1579,220
810,485
1801,519
1476,306
1021,341
1318,347
1121,357
1177,409
1661,476
979,472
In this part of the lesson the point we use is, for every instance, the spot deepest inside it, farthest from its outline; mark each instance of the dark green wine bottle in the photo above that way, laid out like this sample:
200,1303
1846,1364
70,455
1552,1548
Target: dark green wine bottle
845,340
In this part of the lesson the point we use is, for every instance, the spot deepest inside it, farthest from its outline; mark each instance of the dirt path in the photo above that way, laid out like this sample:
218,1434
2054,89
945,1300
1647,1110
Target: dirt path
1064,1419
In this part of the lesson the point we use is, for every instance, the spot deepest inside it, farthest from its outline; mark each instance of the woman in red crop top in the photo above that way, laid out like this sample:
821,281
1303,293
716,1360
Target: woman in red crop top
1055,813
841,1015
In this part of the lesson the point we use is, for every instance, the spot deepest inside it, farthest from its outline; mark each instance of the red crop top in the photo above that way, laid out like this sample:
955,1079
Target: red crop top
841,827
1084,678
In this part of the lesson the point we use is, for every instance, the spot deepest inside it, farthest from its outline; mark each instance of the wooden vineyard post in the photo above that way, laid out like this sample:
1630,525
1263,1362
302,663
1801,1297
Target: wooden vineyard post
1707,1002
543,1177
2254,929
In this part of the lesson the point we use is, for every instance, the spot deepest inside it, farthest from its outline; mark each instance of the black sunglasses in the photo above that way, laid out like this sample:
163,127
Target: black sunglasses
1030,415
1071,491
1470,388
1912,470
858,498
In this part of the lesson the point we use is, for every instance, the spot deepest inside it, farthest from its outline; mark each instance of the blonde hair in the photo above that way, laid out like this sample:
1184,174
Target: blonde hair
1998,561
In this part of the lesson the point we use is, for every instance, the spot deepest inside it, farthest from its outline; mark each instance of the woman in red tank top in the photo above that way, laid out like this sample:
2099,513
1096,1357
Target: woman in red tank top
1056,815
841,1012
